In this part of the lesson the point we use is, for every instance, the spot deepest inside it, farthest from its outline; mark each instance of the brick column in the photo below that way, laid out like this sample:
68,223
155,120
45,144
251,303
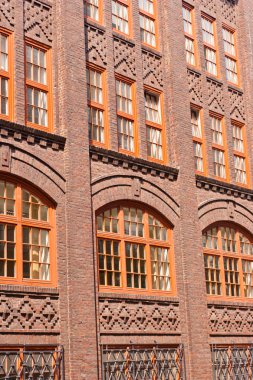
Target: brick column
79,326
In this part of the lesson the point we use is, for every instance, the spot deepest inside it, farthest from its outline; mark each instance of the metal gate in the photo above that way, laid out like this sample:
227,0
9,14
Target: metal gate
35,364
234,362
142,363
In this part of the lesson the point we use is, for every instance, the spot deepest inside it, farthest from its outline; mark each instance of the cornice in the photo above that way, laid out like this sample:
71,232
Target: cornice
216,186
136,164
31,135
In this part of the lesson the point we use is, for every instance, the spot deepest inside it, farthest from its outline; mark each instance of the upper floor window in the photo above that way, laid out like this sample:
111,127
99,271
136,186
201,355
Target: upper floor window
26,237
92,9
240,159
228,258
230,55
210,49
154,125
96,107
125,115
134,250
197,137
120,15
218,147
189,35
38,86
5,75
148,22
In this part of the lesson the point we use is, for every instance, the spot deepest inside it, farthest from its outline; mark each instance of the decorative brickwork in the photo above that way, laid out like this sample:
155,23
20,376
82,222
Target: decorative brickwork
228,10
210,5
29,314
195,87
124,58
152,69
215,96
231,320
38,21
95,45
7,13
138,317
237,108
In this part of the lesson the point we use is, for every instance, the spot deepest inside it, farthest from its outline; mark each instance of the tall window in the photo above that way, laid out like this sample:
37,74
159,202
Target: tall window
197,137
154,125
91,9
38,86
189,35
230,55
96,108
26,237
5,76
210,49
228,259
120,15
218,147
239,154
125,115
134,250
148,22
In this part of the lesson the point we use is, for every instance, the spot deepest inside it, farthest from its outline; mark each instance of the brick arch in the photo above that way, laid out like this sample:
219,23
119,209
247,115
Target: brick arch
36,172
114,188
224,210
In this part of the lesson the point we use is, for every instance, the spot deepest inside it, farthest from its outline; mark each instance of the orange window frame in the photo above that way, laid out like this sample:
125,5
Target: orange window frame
201,140
132,117
9,75
227,254
242,154
100,12
147,242
153,17
47,88
128,5
209,46
19,222
233,57
219,147
160,127
102,107
193,35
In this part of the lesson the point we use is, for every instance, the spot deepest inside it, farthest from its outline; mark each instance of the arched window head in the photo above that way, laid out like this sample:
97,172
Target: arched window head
228,259
26,236
134,249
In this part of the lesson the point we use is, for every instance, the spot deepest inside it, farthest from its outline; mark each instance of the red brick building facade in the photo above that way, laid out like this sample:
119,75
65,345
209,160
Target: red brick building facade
126,217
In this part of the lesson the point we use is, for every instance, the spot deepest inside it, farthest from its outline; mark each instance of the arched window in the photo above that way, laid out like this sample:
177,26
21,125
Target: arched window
26,236
134,250
228,258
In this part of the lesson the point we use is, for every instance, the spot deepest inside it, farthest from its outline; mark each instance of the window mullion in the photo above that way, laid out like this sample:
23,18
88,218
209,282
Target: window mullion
221,262
19,238
122,250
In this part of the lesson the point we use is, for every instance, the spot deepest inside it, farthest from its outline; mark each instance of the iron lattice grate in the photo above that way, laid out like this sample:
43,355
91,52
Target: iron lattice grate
31,365
232,362
143,363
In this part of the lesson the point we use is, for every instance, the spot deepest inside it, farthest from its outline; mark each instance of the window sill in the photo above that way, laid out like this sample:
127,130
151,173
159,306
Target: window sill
226,301
95,24
23,289
151,50
139,297
123,37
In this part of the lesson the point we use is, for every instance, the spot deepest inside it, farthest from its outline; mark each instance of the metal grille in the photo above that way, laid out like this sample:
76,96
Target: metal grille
139,363
31,365
232,362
